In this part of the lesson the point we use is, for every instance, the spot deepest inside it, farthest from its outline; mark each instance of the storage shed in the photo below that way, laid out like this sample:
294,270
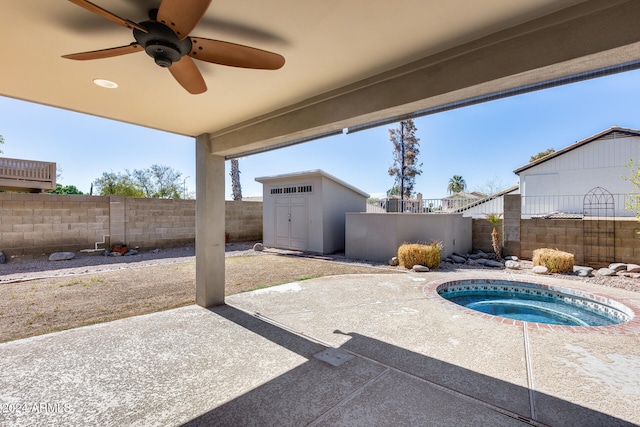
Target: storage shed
306,211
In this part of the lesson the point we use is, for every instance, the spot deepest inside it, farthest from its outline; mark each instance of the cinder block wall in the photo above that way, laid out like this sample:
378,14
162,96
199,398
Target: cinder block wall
243,221
45,223
159,223
482,235
563,234
567,235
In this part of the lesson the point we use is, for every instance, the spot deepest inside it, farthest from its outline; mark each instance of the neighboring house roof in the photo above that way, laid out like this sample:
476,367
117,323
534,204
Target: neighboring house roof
489,198
606,134
464,196
309,174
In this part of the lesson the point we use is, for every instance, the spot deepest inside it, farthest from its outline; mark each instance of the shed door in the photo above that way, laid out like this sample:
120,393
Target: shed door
291,222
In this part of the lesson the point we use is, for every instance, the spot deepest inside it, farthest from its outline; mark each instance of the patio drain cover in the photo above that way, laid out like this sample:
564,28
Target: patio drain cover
334,356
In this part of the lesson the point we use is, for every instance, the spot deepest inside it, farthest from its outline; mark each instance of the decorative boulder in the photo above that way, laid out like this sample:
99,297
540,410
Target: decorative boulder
607,272
61,256
631,268
258,247
617,266
511,258
3,259
115,254
131,252
512,265
420,268
540,269
394,261
458,259
495,264
582,271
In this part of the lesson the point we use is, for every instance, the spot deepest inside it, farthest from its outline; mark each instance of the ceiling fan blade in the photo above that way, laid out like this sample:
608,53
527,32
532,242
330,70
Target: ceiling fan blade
182,17
106,53
187,74
234,55
106,14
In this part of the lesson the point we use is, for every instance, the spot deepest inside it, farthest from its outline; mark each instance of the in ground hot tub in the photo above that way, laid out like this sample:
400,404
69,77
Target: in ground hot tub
531,302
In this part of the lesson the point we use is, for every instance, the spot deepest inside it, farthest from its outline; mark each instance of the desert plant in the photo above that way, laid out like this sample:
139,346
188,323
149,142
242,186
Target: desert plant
556,261
410,254
494,219
633,201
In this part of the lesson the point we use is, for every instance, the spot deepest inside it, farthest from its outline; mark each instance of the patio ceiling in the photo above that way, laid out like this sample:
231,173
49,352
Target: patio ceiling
347,63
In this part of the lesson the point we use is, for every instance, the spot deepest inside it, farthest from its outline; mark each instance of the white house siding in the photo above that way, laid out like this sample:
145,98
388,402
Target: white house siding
599,163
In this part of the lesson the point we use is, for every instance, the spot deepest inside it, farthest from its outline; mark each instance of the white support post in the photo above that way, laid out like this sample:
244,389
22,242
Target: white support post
210,218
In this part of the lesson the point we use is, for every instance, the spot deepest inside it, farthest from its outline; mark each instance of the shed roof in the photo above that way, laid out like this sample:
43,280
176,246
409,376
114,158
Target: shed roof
310,174
612,132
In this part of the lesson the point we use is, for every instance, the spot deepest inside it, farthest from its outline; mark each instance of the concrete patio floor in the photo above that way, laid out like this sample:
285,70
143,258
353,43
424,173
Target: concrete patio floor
408,359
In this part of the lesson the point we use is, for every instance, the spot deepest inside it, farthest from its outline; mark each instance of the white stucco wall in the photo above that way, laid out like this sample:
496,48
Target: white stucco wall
377,236
599,163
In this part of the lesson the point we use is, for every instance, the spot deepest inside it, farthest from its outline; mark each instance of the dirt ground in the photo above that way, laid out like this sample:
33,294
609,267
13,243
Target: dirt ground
40,306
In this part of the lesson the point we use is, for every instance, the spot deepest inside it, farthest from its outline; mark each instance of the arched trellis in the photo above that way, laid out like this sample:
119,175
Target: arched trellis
598,227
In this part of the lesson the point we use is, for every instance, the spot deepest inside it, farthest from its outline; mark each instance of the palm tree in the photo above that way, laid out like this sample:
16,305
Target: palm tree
494,219
457,184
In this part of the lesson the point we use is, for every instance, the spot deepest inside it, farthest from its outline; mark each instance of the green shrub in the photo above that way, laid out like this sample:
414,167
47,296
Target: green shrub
556,261
410,254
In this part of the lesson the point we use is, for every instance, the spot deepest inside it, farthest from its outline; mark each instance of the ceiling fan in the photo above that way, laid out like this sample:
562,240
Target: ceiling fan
165,38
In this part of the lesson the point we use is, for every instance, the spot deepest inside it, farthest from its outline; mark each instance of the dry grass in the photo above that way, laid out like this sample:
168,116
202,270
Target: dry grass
46,305
556,261
410,254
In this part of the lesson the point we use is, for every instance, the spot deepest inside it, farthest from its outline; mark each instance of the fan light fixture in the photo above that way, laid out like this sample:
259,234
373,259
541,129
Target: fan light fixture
105,83
165,38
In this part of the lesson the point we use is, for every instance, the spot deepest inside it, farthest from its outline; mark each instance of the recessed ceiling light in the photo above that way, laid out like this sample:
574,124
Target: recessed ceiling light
105,83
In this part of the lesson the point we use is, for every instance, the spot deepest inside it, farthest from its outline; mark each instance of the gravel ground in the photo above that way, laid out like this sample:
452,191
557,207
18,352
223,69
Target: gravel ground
17,270
38,267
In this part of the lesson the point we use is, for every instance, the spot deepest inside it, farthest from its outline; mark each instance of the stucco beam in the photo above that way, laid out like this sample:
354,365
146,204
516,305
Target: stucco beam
589,36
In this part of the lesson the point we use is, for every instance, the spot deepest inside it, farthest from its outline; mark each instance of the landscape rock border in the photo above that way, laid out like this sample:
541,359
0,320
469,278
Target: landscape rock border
512,262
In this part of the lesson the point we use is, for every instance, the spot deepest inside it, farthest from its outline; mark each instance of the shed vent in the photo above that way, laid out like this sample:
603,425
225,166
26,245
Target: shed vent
290,190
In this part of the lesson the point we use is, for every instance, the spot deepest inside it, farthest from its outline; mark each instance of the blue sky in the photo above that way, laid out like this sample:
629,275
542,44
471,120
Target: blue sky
482,143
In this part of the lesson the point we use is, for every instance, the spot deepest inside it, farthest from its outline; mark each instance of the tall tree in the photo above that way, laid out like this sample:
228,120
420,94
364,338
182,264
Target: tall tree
67,189
406,147
542,154
236,188
167,182
157,181
492,186
457,184
117,183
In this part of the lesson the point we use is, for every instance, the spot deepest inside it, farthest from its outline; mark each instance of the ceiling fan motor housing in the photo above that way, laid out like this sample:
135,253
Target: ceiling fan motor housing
161,43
